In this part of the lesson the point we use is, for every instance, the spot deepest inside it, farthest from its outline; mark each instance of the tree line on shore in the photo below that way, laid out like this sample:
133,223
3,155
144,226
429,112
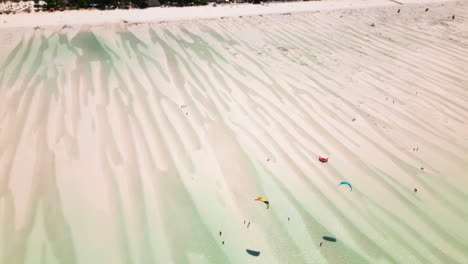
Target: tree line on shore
60,5
99,4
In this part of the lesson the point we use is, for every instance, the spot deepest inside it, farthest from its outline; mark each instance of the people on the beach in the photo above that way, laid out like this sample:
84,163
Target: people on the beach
415,190
289,218
220,233
398,10
321,243
427,9
248,224
453,17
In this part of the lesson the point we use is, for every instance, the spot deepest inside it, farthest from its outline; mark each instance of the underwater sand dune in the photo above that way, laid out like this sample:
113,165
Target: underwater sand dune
139,143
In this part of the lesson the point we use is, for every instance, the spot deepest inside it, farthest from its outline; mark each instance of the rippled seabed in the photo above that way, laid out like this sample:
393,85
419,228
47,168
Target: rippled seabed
138,143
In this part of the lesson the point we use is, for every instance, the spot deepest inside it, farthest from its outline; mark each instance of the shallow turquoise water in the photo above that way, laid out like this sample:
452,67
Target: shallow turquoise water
140,143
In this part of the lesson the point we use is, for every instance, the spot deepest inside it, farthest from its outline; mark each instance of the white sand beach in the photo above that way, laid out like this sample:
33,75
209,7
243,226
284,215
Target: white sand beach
139,141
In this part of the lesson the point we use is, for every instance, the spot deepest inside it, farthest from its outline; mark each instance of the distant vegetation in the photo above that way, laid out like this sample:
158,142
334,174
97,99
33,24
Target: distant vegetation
183,2
99,4
11,6
60,5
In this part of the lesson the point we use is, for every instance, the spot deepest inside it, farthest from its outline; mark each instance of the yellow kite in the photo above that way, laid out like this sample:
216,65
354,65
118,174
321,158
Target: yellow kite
263,200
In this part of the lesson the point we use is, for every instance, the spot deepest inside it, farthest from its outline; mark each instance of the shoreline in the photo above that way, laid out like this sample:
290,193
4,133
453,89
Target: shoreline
165,14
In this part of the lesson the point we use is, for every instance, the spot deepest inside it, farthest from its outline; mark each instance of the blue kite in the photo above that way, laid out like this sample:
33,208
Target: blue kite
347,183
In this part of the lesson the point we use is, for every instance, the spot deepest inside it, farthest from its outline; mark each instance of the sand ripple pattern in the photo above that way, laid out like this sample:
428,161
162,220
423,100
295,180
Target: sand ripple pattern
138,143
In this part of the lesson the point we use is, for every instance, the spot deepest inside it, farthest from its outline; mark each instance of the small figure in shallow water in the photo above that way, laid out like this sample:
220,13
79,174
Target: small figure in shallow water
321,243
415,190
289,218
248,225
223,242
220,233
